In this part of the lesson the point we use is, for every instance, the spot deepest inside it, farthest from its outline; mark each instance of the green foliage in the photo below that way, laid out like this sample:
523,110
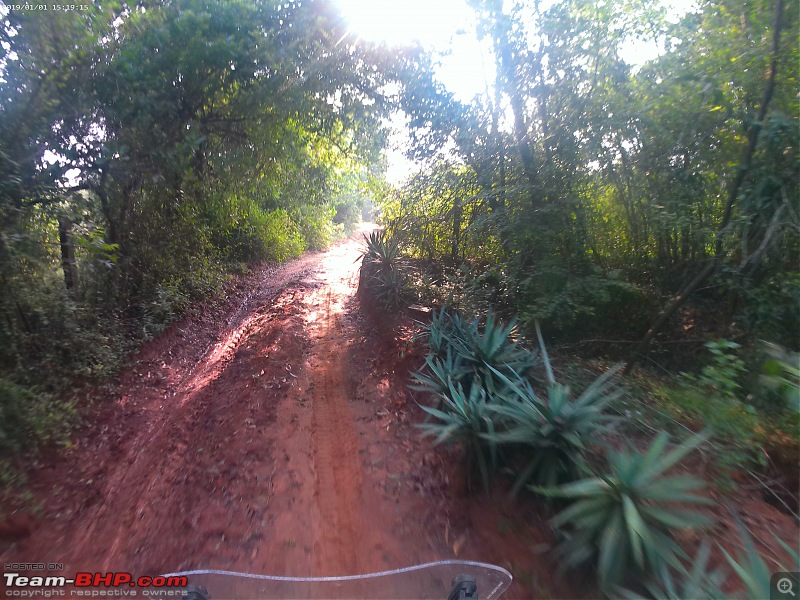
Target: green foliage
700,582
735,426
465,417
722,376
604,194
704,583
439,373
316,225
477,354
713,400
570,300
753,571
499,407
464,371
282,238
781,375
382,251
383,271
623,519
439,213
29,418
555,432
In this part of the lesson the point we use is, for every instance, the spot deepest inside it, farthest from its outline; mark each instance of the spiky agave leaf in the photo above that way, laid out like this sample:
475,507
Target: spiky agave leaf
555,429
626,516
699,583
438,374
753,570
464,418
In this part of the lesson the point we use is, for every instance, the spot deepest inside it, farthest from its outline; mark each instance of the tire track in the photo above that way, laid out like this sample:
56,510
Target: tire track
336,456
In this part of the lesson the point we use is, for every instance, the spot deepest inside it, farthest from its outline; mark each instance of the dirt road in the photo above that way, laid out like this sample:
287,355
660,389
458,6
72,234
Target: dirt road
266,438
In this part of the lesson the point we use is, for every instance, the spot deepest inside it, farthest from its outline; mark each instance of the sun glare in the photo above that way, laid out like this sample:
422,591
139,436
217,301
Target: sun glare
396,22
448,28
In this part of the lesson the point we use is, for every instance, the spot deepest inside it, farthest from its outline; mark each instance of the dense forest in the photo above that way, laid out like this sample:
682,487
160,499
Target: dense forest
644,215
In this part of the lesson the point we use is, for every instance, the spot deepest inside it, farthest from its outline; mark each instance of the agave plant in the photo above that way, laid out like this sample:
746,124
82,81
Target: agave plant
382,252
704,584
439,332
390,288
556,429
439,374
481,351
623,519
753,571
382,272
699,583
463,417
492,347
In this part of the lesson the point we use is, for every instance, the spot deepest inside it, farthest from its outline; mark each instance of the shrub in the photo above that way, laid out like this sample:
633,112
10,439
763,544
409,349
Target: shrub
30,417
754,573
481,352
555,431
722,376
711,400
315,223
781,376
700,583
382,252
383,271
282,237
464,417
623,519
439,374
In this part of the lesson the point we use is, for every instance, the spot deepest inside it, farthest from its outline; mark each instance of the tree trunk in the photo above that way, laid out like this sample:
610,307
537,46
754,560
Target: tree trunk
456,240
508,79
68,264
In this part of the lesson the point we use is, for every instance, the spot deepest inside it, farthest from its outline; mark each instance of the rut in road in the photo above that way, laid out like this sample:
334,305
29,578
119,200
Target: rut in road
276,452
336,454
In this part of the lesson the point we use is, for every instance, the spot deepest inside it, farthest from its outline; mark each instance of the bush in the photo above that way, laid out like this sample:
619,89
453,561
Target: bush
477,354
282,237
781,377
478,377
244,231
712,400
623,519
465,417
383,274
581,302
28,418
316,224
555,432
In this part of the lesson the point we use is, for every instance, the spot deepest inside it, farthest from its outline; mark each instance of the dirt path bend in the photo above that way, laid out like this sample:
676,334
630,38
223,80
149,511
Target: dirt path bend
270,441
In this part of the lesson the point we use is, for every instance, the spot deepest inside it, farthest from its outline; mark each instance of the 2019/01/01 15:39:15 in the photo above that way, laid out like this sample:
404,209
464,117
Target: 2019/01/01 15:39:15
53,7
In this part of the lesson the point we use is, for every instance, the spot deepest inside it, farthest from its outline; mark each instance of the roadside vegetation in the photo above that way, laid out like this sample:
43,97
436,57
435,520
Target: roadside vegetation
642,217
618,498
610,254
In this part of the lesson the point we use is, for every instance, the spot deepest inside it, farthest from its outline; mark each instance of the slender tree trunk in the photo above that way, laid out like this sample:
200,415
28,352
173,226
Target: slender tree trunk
68,264
508,79
747,159
456,241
